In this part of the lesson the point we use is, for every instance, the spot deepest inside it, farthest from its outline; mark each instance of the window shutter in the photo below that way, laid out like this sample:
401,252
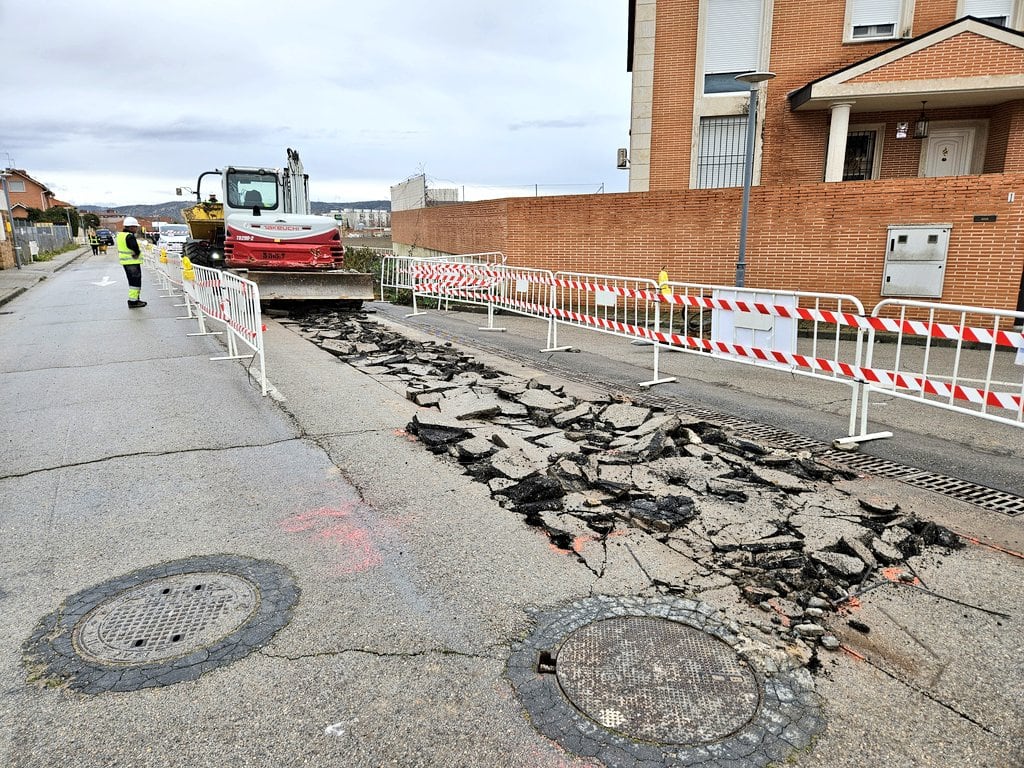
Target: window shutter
987,9
871,12
732,39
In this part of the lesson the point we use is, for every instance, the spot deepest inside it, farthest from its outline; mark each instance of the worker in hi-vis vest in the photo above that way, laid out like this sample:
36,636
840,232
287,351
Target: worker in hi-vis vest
131,259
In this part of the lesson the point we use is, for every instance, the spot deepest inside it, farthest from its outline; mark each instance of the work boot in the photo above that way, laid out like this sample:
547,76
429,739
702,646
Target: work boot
136,304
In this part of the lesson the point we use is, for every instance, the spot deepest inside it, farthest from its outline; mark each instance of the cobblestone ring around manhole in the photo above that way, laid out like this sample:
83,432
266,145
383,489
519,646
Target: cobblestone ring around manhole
637,682
163,624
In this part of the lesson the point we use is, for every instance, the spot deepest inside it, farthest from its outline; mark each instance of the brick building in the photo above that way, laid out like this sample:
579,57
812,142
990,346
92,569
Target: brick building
888,126
27,193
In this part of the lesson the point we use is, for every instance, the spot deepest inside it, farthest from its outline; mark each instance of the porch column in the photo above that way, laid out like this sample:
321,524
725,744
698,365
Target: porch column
839,127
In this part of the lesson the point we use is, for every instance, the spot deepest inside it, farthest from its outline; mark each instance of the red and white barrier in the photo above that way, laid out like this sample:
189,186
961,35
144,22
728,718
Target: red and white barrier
927,361
235,302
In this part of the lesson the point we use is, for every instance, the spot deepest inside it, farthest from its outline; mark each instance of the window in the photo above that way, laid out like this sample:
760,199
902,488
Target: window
995,11
860,155
16,186
722,151
732,43
873,19
249,189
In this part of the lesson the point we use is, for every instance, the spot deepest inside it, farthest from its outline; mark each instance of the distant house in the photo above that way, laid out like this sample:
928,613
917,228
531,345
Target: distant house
27,193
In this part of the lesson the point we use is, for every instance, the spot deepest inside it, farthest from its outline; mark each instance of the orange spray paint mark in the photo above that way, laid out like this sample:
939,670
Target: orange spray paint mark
894,573
350,545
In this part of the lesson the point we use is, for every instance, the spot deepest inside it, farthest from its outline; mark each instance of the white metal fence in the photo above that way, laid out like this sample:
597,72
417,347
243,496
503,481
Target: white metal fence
960,358
966,359
218,296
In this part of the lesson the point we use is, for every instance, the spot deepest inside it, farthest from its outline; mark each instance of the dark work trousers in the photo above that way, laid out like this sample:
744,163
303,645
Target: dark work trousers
134,274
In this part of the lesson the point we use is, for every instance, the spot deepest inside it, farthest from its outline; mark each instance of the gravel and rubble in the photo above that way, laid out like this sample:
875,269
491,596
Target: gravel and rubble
644,497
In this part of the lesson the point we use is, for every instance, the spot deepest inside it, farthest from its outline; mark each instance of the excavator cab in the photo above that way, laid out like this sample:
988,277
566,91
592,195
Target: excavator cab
251,191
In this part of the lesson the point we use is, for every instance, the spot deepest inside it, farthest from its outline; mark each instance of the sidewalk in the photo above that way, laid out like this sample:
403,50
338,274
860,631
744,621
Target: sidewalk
14,281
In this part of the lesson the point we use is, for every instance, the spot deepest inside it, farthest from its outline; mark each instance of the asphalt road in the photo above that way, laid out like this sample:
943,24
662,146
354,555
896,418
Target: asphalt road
125,446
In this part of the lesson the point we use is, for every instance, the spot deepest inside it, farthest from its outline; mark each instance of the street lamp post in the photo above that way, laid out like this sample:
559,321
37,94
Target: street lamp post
754,80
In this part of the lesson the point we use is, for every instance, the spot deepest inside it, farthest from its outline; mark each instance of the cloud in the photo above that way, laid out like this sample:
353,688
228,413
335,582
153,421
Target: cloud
492,93
544,124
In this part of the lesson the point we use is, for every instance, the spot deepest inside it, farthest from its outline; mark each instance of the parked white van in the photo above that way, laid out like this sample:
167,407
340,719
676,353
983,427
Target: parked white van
173,237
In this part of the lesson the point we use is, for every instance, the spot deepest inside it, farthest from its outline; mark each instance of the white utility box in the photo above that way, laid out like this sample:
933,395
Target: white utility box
915,260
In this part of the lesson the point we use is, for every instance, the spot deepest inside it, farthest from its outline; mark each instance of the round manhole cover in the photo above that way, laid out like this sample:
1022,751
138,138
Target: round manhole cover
635,682
166,618
162,625
657,680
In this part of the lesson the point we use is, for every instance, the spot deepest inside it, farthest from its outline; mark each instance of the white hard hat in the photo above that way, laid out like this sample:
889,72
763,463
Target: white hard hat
131,221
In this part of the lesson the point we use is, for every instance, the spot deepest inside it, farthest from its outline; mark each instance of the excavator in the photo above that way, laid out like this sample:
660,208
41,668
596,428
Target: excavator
262,229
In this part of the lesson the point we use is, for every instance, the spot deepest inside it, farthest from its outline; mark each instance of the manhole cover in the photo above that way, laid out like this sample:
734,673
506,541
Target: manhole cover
163,624
166,618
657,680
637,682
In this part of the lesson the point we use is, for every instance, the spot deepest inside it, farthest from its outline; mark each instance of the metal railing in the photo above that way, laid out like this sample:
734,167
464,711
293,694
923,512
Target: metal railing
960,358
31,241
965,359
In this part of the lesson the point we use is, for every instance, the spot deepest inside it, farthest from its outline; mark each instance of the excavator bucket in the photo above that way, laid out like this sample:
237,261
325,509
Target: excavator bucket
333,285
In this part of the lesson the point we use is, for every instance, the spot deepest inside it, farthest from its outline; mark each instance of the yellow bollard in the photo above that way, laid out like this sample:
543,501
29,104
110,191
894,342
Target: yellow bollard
666,290
163,255
186,269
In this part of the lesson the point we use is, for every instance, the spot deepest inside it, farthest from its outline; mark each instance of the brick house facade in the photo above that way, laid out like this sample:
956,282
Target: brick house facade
27,193
881,113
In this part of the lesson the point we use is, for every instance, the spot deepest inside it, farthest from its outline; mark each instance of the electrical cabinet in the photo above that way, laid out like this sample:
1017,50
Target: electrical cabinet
915,260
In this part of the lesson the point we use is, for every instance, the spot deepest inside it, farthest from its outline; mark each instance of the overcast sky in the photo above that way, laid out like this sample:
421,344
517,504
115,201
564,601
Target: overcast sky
113,102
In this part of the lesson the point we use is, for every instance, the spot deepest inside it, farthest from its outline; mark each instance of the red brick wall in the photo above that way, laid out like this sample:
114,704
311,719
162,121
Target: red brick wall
811,237
675,59
964,52
1014,162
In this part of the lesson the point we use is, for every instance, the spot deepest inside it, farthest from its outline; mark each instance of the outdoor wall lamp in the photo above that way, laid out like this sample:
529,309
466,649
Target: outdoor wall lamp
921,126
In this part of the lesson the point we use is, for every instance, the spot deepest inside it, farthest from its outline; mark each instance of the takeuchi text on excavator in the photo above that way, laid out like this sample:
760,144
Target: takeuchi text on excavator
262,227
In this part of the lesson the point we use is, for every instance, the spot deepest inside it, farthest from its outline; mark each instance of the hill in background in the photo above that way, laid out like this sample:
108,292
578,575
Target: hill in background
172,211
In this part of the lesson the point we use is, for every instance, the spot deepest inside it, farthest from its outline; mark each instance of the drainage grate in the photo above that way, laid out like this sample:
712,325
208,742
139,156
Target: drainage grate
657,680
162,625
981,496
166,618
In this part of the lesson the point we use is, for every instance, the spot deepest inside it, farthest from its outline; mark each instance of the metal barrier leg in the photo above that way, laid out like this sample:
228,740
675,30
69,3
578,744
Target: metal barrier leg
415,310
553,338
490,320
657,379
861,393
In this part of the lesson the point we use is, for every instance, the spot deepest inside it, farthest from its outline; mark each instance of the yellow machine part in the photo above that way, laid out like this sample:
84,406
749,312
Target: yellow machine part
204,220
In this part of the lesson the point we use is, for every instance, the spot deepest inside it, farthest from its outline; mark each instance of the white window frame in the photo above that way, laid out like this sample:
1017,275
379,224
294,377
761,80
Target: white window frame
876,158
16,186
728,48
741,125
901,29
1015,20
731,103
763,52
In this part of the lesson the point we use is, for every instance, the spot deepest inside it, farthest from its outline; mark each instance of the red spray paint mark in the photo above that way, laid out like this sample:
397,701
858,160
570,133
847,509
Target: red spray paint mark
349,544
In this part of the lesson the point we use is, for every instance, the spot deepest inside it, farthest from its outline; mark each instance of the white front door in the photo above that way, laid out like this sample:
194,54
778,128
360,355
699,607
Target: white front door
948,151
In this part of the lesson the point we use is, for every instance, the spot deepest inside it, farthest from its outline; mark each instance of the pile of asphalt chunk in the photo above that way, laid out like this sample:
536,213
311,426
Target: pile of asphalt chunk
697,506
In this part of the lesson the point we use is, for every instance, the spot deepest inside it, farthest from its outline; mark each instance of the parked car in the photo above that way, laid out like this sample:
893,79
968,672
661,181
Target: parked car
105,236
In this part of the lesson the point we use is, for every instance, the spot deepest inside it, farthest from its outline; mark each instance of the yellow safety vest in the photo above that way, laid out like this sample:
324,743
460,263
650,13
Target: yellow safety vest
126,254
